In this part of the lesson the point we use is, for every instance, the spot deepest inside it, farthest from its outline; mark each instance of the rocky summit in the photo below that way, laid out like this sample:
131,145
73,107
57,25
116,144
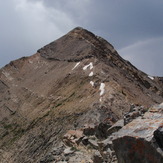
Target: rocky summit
78,101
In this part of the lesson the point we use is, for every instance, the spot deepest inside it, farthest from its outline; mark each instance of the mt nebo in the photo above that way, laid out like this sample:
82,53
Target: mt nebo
76,100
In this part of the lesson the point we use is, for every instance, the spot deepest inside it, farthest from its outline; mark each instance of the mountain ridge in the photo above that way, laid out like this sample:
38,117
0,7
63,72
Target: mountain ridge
79,37
77,80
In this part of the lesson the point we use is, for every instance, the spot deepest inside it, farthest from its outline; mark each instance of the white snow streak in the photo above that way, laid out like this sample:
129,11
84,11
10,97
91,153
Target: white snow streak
91,73
151,77
102,86
76,65
92,83
89,65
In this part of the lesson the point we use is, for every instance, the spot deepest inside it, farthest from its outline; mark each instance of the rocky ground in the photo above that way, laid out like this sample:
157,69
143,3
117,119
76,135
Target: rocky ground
138,140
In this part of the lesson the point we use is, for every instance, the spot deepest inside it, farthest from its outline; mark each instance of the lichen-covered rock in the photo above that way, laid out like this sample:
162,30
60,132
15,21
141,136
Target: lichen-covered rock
135,141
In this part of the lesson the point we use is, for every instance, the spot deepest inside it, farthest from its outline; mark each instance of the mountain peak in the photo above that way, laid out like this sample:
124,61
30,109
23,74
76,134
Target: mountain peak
78,30
81,33
76,45
77,92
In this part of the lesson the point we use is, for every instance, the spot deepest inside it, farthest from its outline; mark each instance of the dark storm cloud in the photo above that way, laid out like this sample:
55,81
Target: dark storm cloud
135,28
147,55
123,20
27,26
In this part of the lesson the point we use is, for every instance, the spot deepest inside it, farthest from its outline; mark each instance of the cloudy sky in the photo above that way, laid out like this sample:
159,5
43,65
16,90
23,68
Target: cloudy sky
134,27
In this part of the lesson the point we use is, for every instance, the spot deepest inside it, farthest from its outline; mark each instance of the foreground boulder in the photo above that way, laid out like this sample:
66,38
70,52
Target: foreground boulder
136,142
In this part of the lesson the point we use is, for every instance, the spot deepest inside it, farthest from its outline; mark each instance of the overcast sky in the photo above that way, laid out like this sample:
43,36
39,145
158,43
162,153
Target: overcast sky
133,27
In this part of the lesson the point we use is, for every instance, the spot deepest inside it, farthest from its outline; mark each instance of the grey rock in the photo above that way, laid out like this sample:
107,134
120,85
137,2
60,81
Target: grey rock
93,143
117,126
68,151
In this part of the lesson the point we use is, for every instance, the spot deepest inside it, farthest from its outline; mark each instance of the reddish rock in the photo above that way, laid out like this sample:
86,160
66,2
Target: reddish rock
136,150
73,137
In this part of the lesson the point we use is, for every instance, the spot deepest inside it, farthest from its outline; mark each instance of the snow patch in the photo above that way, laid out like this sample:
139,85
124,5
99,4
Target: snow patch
90,65
91,74
76,65
100,99
92,83
102,86
151,77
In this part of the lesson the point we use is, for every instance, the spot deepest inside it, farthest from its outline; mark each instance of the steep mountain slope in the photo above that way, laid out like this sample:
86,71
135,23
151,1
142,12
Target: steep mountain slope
76,80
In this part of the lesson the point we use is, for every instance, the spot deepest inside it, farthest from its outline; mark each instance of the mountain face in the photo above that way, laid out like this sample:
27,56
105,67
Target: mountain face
76,81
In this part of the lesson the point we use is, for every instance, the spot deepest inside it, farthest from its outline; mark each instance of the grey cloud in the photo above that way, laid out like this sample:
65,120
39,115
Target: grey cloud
126,21
146,55
27,26
122,23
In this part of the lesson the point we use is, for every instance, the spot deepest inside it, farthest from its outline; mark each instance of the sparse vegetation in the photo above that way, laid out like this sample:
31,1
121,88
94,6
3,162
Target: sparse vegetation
58,105
7,126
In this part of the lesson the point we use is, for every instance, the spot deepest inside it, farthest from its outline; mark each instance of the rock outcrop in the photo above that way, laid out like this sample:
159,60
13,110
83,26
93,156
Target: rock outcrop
138,141
141,140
